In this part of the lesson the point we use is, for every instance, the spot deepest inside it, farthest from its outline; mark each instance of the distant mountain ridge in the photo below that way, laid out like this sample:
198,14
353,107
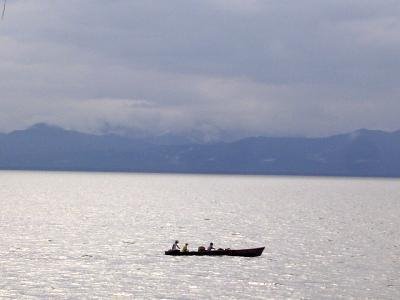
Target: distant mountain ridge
360,153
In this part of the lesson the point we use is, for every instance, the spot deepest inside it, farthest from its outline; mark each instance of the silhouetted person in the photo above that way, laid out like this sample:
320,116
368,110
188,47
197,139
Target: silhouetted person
175,246
210,247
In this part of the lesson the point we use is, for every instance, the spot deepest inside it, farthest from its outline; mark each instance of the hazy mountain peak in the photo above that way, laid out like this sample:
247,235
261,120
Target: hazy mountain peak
45,127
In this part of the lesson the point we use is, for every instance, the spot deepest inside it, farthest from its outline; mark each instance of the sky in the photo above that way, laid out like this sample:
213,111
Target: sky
239,67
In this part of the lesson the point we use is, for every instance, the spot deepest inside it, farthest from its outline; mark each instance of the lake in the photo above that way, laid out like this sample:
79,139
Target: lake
103,235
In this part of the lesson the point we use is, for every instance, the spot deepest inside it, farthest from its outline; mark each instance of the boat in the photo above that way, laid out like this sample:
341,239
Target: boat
220,252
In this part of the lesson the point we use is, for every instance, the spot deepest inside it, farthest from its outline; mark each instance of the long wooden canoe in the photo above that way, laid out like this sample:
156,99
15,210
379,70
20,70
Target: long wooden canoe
228,252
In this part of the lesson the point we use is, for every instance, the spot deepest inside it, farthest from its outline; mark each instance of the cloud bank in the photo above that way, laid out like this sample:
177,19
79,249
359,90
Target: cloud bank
247,67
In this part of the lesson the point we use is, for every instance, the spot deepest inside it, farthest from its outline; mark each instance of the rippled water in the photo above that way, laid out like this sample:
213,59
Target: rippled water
96,235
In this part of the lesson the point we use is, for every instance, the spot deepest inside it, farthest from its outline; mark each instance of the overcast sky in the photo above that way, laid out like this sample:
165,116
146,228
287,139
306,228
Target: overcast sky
248,67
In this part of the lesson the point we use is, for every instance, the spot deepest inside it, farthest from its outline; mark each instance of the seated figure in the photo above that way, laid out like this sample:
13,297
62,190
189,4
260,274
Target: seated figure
210,247
185,248
175,246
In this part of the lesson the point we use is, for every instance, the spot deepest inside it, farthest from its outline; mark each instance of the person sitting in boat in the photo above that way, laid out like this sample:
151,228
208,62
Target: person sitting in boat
185,248
210,247
175,246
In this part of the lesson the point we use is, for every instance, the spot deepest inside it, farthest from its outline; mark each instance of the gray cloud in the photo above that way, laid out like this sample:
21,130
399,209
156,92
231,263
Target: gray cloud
243,66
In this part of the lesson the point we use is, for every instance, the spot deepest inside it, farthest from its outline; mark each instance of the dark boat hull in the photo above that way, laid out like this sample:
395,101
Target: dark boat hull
228,252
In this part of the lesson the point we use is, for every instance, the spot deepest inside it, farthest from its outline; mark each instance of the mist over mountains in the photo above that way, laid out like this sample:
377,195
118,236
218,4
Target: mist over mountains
360,153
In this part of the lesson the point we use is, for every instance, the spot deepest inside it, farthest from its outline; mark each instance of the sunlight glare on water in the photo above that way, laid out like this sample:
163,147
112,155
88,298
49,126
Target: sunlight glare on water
102,235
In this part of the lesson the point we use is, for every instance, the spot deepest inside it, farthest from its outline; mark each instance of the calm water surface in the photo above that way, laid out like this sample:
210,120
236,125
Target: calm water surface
95,235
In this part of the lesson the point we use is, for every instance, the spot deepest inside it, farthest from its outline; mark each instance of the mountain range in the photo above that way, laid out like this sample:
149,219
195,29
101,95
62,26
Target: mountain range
359,153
